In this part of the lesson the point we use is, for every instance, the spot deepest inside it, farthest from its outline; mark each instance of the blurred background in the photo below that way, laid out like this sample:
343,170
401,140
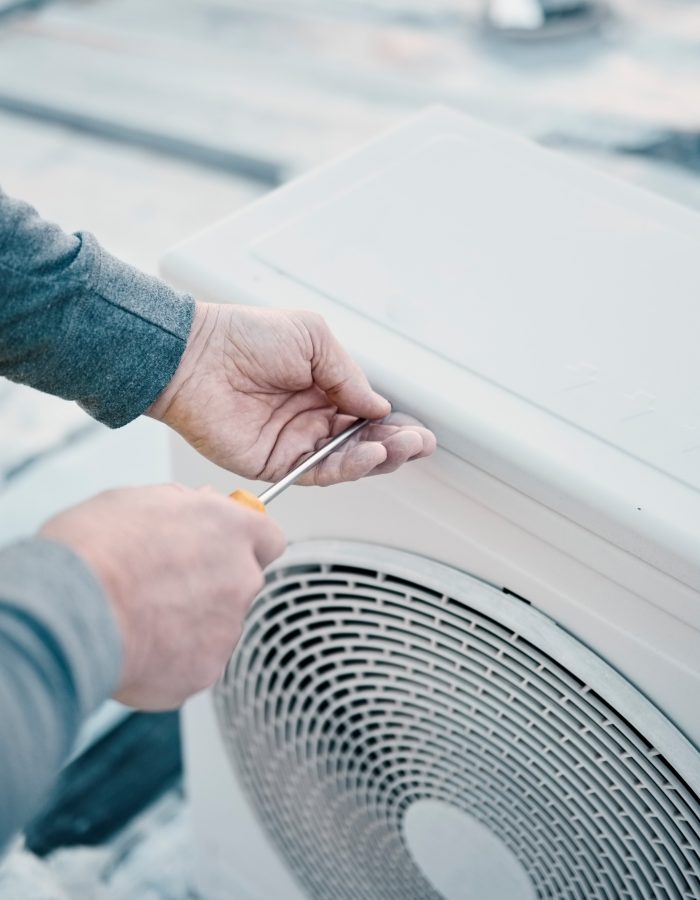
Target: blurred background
143,122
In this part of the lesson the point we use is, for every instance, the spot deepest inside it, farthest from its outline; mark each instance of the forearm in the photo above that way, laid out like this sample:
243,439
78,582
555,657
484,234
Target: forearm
60,657
76,322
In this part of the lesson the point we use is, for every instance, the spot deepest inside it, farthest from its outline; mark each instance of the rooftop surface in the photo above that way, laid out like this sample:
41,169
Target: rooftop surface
145,122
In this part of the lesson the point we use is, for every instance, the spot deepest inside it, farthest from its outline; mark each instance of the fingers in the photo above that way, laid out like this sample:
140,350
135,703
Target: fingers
348,464
400,448
339,377
425,444
380,448
267,538
403,420
404,439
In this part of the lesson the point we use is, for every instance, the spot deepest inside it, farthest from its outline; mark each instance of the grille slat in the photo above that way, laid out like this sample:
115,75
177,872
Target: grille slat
361,687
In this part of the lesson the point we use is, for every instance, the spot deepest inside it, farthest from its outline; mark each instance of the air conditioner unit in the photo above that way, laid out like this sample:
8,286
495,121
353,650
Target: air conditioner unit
478,677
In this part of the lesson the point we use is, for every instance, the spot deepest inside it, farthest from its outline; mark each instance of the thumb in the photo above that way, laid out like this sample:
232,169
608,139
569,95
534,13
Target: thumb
340,378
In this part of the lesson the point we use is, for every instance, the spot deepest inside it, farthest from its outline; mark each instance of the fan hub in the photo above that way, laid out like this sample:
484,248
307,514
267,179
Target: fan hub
460,857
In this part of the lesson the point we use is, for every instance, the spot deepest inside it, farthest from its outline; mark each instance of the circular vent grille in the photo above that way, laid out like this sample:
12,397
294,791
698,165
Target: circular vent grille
370,679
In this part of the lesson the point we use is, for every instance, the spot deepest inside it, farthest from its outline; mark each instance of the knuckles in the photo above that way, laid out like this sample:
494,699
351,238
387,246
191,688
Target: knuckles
313,321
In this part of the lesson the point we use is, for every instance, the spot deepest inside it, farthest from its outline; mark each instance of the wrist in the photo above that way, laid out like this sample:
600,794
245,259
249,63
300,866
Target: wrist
203,324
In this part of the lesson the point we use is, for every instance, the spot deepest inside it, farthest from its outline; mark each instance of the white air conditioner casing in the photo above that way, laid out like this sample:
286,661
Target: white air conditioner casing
479,676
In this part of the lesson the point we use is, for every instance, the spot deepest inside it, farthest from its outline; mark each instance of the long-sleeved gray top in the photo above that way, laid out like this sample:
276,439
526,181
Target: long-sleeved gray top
76,322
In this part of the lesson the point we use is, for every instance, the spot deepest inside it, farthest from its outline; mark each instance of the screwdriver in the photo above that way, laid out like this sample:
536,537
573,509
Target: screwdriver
261,501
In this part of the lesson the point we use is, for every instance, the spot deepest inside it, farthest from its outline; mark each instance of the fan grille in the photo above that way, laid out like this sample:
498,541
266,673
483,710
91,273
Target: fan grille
359,690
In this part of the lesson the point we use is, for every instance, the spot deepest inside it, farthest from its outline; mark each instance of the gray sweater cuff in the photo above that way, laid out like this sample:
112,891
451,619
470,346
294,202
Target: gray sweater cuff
125,338
76,322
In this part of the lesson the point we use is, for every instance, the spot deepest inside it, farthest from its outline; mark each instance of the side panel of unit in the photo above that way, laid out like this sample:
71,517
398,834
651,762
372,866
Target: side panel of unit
610,600
233,857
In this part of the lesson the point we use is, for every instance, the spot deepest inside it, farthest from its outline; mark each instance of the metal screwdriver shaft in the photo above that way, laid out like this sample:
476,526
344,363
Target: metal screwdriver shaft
276,489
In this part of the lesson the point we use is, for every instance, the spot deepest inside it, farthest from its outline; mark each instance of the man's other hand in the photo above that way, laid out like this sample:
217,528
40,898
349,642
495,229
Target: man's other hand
180,568
258,390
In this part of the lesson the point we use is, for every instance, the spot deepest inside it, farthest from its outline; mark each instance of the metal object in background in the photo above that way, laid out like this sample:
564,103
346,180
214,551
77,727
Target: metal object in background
676,147
266,171
16,7
532,19
114,780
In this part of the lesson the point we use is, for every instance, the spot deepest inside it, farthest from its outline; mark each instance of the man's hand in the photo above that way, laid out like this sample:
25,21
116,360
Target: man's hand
258,390
180,568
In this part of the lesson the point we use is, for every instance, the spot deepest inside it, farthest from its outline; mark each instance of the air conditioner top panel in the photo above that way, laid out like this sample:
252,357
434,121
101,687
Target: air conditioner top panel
540,315
573,302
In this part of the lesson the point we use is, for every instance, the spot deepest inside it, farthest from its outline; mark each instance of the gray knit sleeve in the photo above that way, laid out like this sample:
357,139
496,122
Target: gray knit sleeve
76,322
60,657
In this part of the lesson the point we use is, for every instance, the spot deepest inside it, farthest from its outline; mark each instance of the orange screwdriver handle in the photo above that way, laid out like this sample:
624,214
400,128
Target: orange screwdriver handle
248,499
